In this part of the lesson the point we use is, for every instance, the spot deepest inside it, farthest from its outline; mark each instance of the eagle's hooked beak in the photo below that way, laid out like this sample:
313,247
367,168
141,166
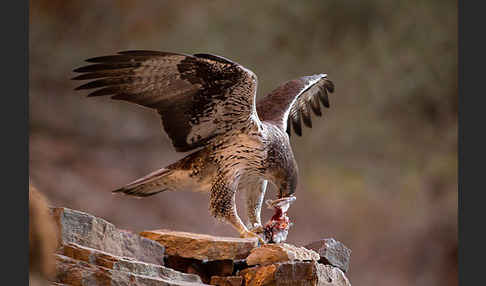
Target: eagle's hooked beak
285,194
281,203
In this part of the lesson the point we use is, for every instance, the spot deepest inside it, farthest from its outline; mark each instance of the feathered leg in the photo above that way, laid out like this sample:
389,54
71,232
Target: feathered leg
254,200
223,205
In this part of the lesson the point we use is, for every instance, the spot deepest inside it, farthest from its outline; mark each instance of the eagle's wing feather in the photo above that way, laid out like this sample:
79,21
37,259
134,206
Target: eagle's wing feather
197,96
291,103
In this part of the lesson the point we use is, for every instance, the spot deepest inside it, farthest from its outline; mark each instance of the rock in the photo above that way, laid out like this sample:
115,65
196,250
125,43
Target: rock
294,273
226,280
129,265
94,252
205,270
75,272
93,232
256,276
200,246
332,252
331,276
281,252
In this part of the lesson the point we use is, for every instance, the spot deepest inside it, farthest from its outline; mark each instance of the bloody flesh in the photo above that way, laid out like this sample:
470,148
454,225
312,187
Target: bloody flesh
276,229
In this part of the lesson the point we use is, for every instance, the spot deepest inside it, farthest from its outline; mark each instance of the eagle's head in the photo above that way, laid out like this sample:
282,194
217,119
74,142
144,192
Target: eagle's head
287,181
288,186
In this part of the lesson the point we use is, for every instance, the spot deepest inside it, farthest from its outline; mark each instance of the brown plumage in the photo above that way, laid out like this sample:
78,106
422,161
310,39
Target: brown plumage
293,100
207,104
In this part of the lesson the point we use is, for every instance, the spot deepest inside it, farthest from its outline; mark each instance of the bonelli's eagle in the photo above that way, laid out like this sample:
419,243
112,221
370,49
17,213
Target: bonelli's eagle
208,105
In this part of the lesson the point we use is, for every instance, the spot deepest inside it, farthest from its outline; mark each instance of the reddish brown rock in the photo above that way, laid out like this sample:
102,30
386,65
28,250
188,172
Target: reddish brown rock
256,276
294,273
93,232
332,252
226,280
200,246
281,252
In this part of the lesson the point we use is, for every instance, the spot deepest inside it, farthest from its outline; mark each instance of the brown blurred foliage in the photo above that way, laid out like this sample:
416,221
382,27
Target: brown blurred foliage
378,172
43,239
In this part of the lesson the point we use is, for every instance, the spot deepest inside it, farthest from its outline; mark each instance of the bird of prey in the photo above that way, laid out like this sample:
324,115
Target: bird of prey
208,105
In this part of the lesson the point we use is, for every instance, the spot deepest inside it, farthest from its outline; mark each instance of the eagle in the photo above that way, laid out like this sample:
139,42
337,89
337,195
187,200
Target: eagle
208,107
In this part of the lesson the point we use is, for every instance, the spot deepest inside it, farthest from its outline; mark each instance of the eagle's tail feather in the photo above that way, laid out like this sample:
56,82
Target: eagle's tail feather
195,172
148,185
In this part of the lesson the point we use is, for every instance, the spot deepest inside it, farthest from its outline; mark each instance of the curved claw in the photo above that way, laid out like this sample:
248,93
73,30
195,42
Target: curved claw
257,228
248,234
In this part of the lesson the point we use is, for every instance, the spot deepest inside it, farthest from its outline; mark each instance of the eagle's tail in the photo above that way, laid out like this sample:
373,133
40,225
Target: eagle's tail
193,173
148,185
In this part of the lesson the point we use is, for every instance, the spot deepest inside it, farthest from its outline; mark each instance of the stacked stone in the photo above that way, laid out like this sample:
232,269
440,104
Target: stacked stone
228,261
215,259
94,252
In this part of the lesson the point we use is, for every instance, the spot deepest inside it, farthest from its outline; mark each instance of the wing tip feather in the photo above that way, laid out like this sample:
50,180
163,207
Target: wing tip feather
312,101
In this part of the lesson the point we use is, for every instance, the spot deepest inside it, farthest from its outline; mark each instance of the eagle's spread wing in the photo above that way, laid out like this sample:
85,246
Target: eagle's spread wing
293,100
197,96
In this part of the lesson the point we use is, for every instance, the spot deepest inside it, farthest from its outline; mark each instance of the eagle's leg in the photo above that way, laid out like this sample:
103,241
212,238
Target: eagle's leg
223,206
254,201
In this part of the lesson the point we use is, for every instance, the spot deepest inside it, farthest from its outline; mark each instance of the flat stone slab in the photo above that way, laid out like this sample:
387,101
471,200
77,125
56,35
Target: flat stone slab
309,273
94,232
281,252
332,252
201,246
75,272
125,264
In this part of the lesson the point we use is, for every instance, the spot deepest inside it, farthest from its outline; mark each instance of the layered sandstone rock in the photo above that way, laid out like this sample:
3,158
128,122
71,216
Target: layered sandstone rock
294,273
204,255
75,272
200,246
124,264
95,252
94,232
281,252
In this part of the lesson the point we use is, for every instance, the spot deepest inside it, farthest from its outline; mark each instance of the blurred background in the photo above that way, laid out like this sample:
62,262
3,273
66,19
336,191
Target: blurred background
378,171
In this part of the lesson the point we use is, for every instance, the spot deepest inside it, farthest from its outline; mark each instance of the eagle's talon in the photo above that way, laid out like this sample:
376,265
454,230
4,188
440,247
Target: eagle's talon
258,229
249,234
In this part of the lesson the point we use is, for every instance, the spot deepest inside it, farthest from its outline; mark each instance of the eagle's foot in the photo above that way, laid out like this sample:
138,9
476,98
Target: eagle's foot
248,234
257,228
